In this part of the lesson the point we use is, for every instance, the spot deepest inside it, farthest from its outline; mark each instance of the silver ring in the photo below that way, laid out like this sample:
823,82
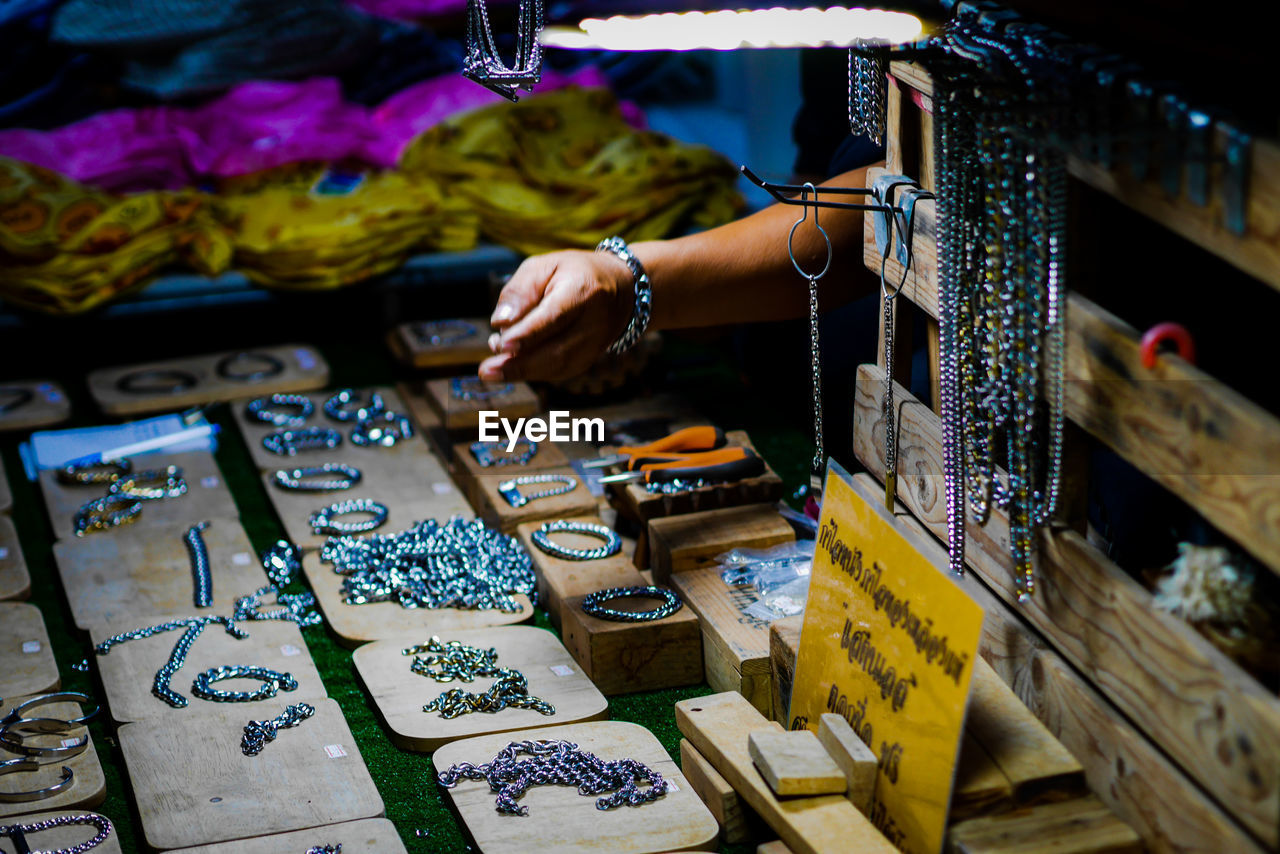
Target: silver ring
14,766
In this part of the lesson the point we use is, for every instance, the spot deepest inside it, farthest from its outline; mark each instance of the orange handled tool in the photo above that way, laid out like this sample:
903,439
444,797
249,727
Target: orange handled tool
688,440
722,465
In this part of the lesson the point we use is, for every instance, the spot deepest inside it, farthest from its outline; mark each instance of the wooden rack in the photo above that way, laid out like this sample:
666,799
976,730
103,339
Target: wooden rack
1174,736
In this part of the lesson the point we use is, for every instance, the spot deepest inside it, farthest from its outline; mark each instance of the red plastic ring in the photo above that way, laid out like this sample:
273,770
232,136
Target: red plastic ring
1167,333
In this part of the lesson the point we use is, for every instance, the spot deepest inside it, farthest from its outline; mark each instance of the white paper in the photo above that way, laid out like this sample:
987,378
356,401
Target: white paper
54,448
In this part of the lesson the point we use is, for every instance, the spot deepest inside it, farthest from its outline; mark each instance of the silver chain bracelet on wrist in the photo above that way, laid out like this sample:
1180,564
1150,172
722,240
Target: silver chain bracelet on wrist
639,321
272,681
593,603
267,410
510,489
288,443
612,542
324,522
302,479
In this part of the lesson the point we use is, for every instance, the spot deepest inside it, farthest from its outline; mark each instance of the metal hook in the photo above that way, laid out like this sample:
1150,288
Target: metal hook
808,187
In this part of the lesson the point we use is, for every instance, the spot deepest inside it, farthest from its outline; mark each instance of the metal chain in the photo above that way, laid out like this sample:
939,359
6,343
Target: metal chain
486,455
272,681
593,603
177,658
324,520
510,489
201,573
18,832
258,734
102,514
266,410
346,405
446,662
302,479
542,539
819,461
288,443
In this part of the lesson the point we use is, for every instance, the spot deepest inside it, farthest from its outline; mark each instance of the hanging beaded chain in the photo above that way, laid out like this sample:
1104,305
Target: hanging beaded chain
324,521
258,734
460,564
482,63
542,539
486,453
102,514
441,333
446,662
560,763
201,573
178,657
18,832
303,479
671,602
510,489
474,388
94,474
868,84
347,405
288,443
267,410
383,430
272,681
151,485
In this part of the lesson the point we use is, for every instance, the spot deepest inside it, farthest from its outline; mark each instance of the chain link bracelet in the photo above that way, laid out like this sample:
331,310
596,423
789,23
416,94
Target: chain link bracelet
346,405
541,538
258,734
267,410
272,681
151,485
384,429
593,604
510,489
302,479
109,511
201,573
288,443
456,660
18,832
94,474
639,321
324,522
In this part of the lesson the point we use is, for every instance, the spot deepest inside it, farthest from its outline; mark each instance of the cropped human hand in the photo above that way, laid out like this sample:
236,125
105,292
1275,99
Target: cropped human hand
557,315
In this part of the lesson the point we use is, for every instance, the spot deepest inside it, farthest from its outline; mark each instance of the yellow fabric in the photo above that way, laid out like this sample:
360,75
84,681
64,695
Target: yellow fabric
65,248
564,169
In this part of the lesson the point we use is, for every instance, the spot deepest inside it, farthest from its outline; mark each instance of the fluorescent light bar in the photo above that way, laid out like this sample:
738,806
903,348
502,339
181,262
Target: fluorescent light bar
730,30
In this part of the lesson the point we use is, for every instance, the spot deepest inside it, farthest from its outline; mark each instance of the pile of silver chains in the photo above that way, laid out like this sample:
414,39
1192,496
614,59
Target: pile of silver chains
460,564
482,62
556,762
445,662
867,95
258,734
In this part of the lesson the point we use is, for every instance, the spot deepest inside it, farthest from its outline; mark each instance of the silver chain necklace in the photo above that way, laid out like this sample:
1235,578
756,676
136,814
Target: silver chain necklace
482,62
445,662
18,832
258,734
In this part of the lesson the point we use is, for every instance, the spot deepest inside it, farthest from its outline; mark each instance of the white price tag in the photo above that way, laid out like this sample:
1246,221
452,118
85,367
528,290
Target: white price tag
209,482
671,785
290,649
561,669
30,647
241,559
442,488
334,751
70,742
4,552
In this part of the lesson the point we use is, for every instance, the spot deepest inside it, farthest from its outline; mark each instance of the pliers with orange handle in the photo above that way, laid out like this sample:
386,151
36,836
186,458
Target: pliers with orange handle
669,448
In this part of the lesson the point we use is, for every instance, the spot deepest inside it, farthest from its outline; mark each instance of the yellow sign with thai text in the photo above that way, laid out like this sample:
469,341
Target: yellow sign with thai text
889,642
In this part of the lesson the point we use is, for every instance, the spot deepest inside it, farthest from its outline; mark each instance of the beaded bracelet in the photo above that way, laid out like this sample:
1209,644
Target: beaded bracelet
612,542
288,443
384,429
109,511
345,405
168,483
266,410
272,681
323,522
94,474
593,604
299,480
510,489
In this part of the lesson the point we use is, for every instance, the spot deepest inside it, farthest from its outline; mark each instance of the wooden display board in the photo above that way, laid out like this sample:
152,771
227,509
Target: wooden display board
498,512
694,540
146,571
738,822
129,669
63,837
467,471
304,369
560,580
357,624
400,694
735,646
411,344
520,402
88,787
1082,826
6,497
29,667
784,646
35,403
368,836
194,786
15,580
207,496
635,502
562,820
622,658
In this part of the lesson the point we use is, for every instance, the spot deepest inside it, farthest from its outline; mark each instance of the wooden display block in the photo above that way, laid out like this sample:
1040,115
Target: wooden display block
368,836
1081,826
856,761
411,344
58,838
622,658
467,470
28,666
784,646
129,669
89,786
15,580
304,369
636,502
357,624
560,819
146,571
34,403
738,822
560,580
498,512
400,694
360,456
694,540
981,788
735,646
207,496
194,786
464,415
718,726
795,763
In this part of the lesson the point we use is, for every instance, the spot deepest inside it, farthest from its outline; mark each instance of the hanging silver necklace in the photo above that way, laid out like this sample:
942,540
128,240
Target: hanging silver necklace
819,461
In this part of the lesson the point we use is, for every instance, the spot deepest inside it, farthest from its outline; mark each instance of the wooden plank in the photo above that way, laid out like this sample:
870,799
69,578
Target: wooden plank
1080,826
304,369
856,761
893,107
795,763
622,658
129,669
467,470
400,694
777,846
194,786
411,344
64,837
1123,767
920,286
89,786
718,726
784,646
498,512
15,579
368,836
737,820
207,496
981,788
560,819
464,415
47,405
560,580
694,540
138,572
353,625
735,647
29,667
1219,724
